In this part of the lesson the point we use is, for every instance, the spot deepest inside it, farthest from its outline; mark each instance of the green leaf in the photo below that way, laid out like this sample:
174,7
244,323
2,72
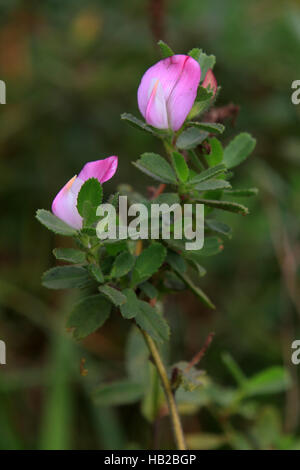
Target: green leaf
176,261
272,380
238,149
211,127
157,167
149,290
216,152
166,51
196,290
203,101
193,157
138,124
96,273
114,248
212,185
167,198
89,198
206,61
118,393
65,277
114,295
89,214
201,271
106,264
181,168
123,264
212,246
219,227
191,138
195,53
70,254
173,282
131,307
152,322
242,192
148,263
225,206
88,315
54,224
207,174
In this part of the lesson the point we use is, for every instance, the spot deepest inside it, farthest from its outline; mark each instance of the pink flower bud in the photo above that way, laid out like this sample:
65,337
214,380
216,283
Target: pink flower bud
210,80
168,90
64,204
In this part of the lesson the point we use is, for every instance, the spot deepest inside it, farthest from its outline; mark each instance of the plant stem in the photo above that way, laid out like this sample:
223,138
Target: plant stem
175,419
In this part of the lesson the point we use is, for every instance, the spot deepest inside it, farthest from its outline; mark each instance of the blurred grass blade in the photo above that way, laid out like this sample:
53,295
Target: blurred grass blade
234,369
57,426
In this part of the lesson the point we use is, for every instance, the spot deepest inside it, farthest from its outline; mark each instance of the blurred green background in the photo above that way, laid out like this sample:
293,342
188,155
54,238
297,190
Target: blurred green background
71,68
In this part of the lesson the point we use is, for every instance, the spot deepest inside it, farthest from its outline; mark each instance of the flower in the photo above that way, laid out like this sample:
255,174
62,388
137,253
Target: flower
64,205
210,80
168,90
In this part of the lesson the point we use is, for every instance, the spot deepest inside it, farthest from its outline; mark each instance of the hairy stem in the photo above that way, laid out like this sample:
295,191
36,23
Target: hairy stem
175,419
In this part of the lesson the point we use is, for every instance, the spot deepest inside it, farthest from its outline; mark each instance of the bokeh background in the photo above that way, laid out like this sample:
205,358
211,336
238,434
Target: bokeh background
71,68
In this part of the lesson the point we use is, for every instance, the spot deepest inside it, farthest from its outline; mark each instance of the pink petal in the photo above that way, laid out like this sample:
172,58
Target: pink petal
156,112
64,204
103,170
184,93
171,81
210,80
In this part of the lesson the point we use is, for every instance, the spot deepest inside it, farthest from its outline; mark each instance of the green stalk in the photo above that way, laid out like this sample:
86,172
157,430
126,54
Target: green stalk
174,415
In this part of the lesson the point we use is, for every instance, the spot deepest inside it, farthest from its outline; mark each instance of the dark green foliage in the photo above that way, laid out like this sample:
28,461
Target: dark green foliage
54,224
88,315
68,78
65,277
